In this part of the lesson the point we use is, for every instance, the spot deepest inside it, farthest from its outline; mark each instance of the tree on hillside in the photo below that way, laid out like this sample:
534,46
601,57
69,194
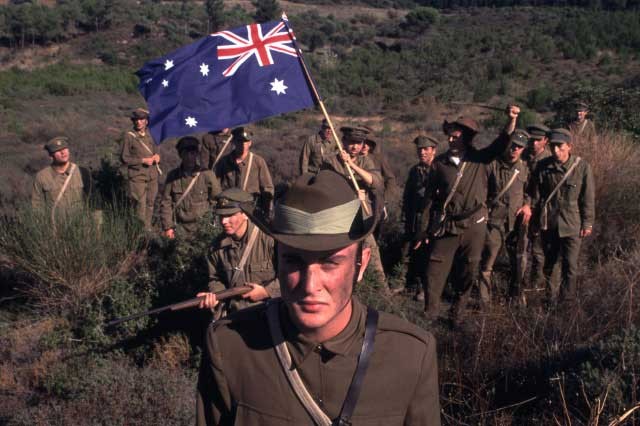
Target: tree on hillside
215,14
266,10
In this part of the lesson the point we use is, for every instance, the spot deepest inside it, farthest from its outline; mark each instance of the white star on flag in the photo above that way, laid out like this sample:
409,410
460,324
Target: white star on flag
149,80
278,87
168,64
165,83
191,122
204,69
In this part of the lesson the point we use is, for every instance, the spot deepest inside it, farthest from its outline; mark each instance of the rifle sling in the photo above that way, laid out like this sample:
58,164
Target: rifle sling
238,270
353,393
186,192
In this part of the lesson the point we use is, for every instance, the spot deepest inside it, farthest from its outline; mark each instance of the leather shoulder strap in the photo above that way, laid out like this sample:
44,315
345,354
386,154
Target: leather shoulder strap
187,191
246,177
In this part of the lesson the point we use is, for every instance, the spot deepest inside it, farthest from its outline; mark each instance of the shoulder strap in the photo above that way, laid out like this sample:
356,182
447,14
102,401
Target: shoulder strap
246,177
222,150
186,192
239,269
506,187
564,178
148,150
64,186
454,187
353,393
316,413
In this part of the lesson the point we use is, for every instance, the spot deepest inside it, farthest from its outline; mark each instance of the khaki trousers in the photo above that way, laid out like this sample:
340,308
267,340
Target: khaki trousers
143,195
561,253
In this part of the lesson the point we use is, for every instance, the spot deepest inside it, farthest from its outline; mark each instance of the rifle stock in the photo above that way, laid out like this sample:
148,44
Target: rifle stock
190,303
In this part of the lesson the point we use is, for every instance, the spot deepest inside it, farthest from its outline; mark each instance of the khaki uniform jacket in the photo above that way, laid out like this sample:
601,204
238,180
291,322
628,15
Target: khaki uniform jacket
241,381
586,129
231,175
314,151
48,183
210,148
573,206
199,200
133,151
471,194
414,198
225,255
503,211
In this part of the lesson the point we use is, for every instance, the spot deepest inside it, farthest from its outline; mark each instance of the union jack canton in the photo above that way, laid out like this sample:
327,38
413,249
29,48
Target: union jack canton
223,80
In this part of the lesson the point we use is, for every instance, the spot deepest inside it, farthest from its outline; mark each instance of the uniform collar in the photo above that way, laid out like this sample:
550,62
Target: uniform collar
346,343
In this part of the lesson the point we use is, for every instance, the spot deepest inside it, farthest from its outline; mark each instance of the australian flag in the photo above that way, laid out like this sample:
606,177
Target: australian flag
224,80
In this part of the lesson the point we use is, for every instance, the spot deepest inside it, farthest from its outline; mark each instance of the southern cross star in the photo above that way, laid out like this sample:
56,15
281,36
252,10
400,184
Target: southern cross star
204,69
165,83
278,87
191,122
168,64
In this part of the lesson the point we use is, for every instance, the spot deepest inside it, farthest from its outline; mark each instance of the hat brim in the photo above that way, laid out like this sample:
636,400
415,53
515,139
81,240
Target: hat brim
447,125
56,149
314,242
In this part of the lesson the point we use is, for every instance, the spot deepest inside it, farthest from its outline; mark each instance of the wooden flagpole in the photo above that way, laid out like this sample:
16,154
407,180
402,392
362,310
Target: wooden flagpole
365,206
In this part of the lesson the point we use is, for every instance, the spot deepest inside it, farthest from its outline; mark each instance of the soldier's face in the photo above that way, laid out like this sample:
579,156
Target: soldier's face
140,124
426,155
61,157
538,145
189,158
354,148
514,153
234,224
456,140
364,150
561,151
317,287
242,148
326,133
581,115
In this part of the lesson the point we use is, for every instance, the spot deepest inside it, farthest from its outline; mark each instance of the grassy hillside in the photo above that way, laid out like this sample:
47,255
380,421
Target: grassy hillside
400,70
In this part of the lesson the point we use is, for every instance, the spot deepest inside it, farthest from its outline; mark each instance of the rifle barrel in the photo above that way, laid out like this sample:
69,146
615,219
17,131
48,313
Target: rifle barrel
190,303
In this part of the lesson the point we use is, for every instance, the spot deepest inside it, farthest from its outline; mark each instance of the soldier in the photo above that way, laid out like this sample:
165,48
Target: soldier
316,149
188,193
563,195
506,193
413,202
245,170
455,215
388,178
582,126
140,155
537,151
242,255
63,185
292,360
369,181
212,147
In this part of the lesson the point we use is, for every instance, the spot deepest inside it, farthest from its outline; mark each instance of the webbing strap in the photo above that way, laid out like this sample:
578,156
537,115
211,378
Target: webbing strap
543,221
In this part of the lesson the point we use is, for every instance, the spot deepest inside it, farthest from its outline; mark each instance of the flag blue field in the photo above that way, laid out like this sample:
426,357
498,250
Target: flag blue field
224,80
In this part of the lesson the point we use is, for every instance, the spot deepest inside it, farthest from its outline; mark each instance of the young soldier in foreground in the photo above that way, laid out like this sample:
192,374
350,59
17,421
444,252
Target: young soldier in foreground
562,192
188,193
63,185
313,338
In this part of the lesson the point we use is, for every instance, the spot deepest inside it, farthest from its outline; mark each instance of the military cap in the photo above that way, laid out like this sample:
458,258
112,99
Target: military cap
560,136
520,138
325,124
318,212
354,134
230,201
56,144
538,131
139,114
466,123
582,106
241,134
424,141
188,142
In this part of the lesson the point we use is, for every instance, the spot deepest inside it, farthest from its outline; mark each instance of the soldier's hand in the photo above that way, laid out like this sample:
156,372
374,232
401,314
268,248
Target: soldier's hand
513,111
362,195
208,302
345,157
170,233
586,232
417,245
257,294
525,211
156,158
148,161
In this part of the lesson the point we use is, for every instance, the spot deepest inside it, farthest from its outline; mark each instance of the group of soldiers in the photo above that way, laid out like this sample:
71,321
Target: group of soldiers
303,255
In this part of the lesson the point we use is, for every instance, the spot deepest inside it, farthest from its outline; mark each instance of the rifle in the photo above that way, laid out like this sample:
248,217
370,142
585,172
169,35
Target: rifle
493,108
190,303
